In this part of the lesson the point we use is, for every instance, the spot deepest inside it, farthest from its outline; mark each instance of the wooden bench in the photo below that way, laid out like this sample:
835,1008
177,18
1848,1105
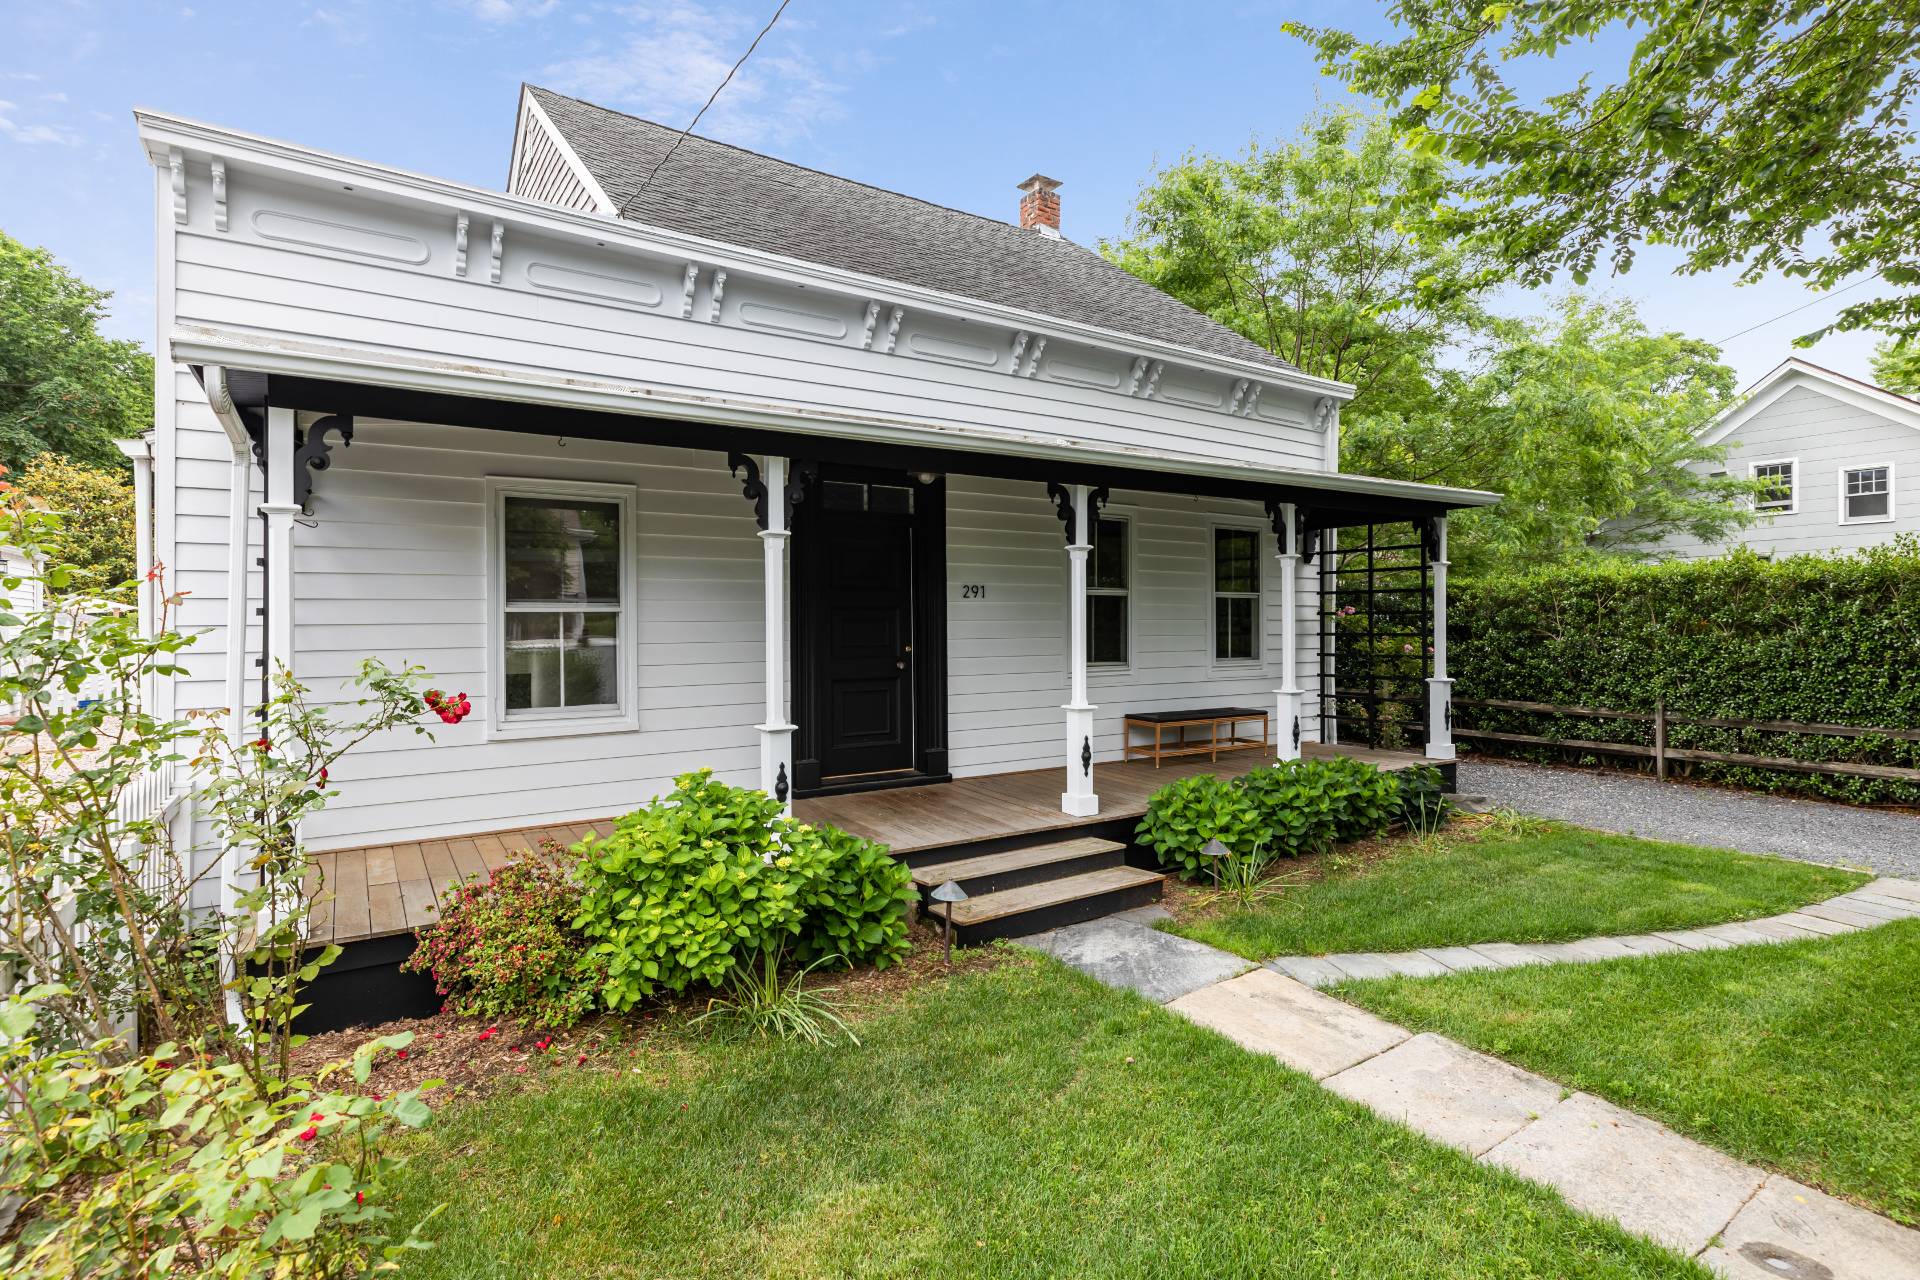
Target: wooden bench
1213,718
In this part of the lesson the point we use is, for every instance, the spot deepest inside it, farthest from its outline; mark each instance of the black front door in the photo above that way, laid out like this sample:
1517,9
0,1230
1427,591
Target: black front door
866,544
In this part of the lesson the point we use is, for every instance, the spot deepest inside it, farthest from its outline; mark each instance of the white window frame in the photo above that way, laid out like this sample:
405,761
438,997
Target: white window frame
1793,496
560,721
1129,593
1258,595
1893,494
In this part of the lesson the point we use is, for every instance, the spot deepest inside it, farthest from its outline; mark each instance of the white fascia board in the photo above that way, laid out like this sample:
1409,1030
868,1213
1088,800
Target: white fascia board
159,133
199,344
531,107
1791,375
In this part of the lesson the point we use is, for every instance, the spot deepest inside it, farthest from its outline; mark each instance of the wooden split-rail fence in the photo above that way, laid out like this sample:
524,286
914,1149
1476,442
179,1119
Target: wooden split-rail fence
1662,753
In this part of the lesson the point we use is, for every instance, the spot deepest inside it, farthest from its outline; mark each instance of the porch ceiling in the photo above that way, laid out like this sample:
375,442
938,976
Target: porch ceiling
1330,499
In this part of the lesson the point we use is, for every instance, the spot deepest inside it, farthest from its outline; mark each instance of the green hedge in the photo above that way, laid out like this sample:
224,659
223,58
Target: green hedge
1830,639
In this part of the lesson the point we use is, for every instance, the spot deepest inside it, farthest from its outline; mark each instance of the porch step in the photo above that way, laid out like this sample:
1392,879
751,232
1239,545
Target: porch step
1012,868
1035,908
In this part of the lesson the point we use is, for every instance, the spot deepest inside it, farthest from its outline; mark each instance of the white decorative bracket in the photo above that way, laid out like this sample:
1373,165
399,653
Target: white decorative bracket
893,329
687,288
1039,349
499,247
219,194
719,288
460,245
1020,341
1323,412
177,166
1153,380
1139,371
866,334
1239,389
1253,398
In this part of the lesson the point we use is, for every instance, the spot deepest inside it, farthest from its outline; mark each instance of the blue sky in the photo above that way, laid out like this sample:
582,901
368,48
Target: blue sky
952,102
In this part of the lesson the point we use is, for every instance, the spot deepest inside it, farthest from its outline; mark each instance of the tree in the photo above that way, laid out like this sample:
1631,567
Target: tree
64,388
1587,423
1896,366
96,518
1769,134
1315,250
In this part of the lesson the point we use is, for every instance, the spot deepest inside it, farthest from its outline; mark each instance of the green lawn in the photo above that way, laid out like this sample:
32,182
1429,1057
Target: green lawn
1022,1121
1554,886
1803,1056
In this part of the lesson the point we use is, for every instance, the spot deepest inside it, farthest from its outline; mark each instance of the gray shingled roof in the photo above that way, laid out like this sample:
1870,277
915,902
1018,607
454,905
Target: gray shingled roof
725,193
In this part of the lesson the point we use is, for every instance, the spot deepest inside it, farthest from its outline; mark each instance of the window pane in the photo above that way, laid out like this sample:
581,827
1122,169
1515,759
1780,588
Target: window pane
892,499
562,549
591,659
1233,627
843,495
1109,568
562,660
1106,628
533,660
1235,560
1777,478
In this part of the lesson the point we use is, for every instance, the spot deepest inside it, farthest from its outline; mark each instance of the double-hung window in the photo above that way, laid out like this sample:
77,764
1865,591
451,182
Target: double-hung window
1236,595
562,607
1777,487
1866,494
1107,626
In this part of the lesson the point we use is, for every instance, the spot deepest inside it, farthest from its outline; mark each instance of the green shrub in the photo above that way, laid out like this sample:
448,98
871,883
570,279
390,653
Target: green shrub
505,947
1421,799
1182,816
696,883
1823,639
1295,804
1366,798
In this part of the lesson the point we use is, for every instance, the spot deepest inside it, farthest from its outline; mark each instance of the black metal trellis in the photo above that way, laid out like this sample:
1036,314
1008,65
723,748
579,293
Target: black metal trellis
1375,636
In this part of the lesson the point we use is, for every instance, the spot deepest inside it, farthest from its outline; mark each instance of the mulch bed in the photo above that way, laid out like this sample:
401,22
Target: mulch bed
474,1058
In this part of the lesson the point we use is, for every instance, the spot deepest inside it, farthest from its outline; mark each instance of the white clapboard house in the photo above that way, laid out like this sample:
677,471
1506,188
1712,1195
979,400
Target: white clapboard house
674,456
1831,452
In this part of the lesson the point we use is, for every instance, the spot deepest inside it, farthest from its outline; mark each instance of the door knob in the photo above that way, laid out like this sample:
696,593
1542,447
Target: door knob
900,666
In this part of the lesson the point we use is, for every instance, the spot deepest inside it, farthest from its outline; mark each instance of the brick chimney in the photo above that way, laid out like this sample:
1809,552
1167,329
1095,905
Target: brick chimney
1040,206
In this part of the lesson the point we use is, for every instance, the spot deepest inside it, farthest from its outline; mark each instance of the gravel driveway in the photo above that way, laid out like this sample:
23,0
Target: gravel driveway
1811,830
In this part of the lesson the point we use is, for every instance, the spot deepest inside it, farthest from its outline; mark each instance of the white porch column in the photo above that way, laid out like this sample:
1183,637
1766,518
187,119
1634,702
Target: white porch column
279,509
1079,798
1288,696
776,730
1439,687
139,451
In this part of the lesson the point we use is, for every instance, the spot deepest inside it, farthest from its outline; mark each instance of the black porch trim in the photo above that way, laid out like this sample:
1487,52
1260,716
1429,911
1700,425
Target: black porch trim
1329,508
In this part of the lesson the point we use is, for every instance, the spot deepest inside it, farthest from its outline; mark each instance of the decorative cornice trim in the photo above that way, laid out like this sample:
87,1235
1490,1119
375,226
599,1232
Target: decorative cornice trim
219,194
460,245
177,171
498,251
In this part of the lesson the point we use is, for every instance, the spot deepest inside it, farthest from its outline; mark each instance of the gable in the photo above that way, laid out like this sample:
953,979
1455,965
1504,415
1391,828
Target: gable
1797,380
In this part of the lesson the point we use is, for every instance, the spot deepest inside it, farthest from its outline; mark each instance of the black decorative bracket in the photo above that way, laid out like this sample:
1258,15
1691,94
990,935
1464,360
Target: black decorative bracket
315,454
1063,504
780,788
1086,756
1296,733
1277,513
1308,537
754,487
1430,537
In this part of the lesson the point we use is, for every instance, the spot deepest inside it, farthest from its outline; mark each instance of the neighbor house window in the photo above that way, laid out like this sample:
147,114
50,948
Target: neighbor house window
1236,594
1107,593
562,605
1777,486
1866,494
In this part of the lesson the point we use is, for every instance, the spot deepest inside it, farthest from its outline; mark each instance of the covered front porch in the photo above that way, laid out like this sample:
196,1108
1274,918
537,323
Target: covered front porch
388,890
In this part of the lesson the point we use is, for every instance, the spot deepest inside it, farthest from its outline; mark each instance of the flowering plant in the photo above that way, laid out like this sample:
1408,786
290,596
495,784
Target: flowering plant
451,709
505,947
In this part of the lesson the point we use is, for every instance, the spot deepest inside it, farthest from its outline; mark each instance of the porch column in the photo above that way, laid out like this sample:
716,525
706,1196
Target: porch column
1288,695
776,730
1439,687
1079,798
279,509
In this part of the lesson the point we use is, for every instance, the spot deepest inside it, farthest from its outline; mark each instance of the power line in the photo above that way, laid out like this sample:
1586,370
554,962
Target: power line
661,163
1796,310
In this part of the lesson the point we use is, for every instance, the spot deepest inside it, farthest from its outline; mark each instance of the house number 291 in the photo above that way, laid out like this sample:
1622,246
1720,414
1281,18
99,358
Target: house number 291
973,591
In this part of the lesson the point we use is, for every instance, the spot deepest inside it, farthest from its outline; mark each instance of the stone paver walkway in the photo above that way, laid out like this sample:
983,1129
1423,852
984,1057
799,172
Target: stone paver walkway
1871,904
1742,1221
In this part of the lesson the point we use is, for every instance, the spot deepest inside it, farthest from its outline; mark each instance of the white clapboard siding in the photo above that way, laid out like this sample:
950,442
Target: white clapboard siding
541,168
413,304
1823,434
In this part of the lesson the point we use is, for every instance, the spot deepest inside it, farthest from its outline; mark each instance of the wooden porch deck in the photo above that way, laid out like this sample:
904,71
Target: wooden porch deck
376,891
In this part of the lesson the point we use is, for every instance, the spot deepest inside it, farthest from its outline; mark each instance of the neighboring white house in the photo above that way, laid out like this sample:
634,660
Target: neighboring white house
682,455
1835,453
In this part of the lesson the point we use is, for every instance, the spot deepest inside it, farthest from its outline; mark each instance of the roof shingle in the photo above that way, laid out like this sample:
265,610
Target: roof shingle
726,193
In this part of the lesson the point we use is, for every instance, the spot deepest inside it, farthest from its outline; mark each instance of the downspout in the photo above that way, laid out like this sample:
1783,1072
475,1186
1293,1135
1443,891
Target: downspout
239,497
